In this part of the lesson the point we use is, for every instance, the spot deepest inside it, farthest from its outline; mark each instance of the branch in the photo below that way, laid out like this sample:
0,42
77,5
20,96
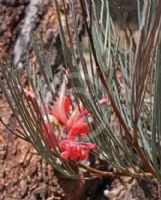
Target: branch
114,174
8,128
147,165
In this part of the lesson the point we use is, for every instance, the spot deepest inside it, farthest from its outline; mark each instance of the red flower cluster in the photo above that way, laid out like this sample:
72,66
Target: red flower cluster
74,126
75,150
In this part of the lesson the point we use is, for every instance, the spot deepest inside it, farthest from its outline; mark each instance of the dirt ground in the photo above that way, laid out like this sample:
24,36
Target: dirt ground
24,174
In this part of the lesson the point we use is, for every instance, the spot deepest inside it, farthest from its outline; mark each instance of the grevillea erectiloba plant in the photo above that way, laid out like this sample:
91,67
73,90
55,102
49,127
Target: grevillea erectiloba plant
112,111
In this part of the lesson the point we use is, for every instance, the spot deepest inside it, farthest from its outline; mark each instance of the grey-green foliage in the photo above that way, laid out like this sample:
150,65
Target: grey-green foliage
127,130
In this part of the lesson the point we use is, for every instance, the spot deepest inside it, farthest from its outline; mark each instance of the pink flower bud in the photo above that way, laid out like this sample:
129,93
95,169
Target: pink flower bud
103,101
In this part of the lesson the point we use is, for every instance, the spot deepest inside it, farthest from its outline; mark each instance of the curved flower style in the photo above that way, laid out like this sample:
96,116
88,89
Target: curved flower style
46,129
61,107
45,126
77,115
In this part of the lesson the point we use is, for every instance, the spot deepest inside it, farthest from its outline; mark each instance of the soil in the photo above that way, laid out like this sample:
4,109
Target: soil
24,174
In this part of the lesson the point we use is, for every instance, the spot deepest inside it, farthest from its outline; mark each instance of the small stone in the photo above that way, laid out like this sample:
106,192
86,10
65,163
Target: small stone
2,174
106,193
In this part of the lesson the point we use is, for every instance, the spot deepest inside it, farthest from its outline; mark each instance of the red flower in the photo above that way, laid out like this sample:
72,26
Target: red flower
48,134
61,107
77,115
46,129
75,124
75,150
78,128
49,137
